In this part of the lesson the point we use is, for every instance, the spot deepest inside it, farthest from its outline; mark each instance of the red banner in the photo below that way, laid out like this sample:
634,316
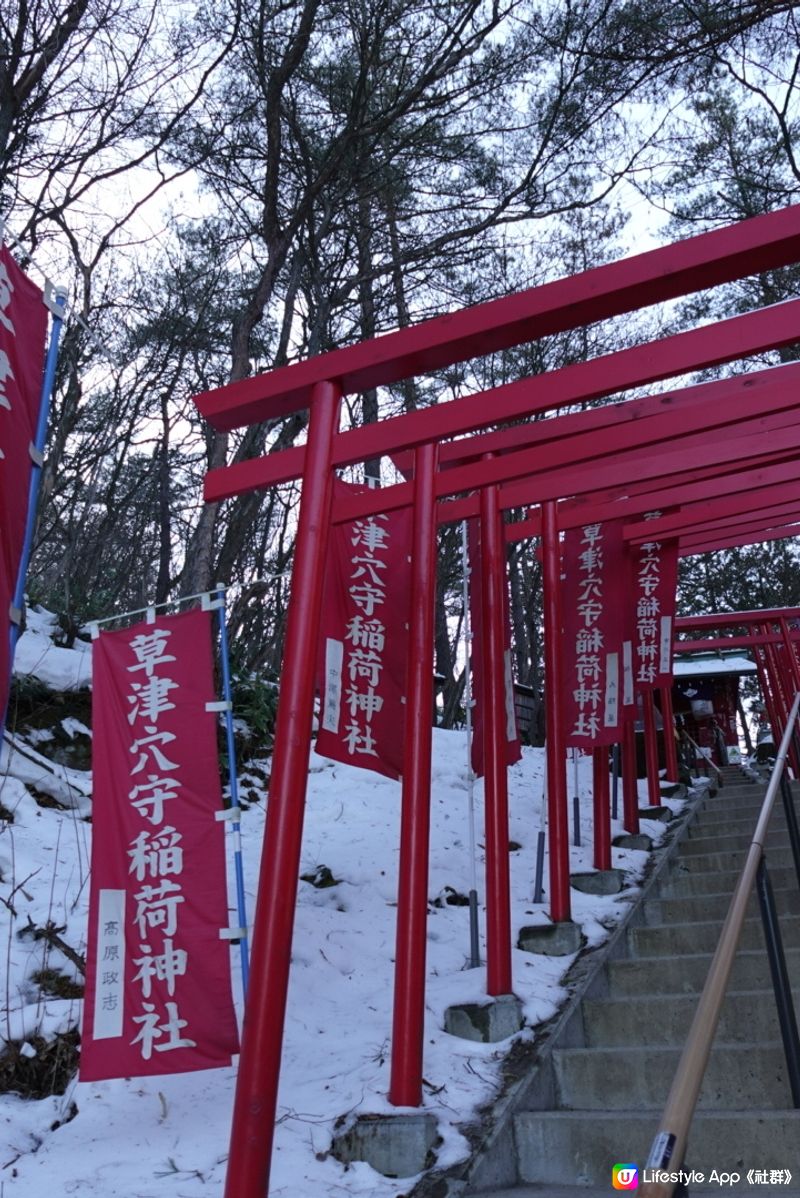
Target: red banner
364,641
593,574
653,573
513,747
158,987
23,325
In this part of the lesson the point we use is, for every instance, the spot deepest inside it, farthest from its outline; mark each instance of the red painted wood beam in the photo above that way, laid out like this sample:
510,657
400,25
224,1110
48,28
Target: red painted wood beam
542,484
668,721
726,619
259,1064
557,820
712,541
658,469
408,1019
707,260
573,514
494,595
601,808
688,478
651,749
763,404
726,341
638,496
716,512
743,525
722,643
737,483
691,548
630,789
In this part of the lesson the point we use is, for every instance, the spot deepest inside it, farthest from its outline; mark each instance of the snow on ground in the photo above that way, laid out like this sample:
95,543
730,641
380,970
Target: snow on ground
167,1137
60,669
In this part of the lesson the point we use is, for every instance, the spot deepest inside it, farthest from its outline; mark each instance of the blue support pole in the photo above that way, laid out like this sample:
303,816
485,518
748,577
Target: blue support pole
219,603
57,307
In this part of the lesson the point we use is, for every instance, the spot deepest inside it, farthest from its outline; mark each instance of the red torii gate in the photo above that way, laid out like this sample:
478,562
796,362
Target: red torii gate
710,259
775,656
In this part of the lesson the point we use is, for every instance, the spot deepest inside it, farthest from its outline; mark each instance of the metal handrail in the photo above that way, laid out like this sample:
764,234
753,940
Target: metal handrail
669,1144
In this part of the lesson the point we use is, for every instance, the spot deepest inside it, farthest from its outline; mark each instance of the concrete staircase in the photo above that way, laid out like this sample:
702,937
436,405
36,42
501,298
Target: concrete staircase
604,1087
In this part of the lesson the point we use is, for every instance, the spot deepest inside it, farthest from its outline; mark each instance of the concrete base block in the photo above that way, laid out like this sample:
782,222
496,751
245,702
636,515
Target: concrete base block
551,939
661,813
394,1145
673,790
633,840
485,1022
600,881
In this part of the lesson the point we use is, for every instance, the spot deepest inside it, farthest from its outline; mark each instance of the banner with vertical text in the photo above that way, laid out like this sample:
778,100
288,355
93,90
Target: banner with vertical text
23,327
158,978
653,574
593,597
364,641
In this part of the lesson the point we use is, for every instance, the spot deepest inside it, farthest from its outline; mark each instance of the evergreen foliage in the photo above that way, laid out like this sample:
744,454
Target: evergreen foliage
231,187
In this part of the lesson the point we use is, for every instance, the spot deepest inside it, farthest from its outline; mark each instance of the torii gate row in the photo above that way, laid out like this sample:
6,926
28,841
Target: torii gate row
775,656
661,490
752,394
729,340
759,624
692,517
719,644
758,407
736,619
765,423
713,258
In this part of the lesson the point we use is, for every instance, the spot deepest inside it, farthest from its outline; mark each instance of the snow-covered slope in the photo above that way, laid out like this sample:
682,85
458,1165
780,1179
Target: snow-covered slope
144,1138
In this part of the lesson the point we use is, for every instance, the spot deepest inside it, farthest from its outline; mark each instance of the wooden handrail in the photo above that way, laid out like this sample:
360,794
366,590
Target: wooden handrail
669,1144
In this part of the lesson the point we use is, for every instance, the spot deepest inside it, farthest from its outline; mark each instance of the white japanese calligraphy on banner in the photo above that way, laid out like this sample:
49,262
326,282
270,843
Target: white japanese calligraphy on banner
364,633
654,578
156,963
593,555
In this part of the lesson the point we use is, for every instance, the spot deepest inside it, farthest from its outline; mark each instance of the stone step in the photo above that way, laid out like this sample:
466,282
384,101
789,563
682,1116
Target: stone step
664,1019
686,974
743,792
750,797
738,1077
582,1146
701,844
673,939
714,906
738,812
686,880
732,829
721,813
723,863
610,1092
